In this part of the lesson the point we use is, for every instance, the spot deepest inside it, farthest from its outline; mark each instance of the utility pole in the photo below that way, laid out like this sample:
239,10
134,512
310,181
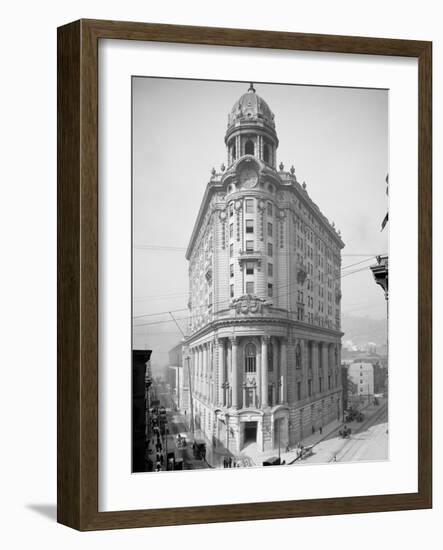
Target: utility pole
380,272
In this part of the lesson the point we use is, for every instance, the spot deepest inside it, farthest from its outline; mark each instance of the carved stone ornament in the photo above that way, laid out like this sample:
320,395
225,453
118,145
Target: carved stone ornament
223,215
237,205
248,304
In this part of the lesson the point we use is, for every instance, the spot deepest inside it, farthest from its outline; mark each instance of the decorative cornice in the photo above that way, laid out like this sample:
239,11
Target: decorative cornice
286,323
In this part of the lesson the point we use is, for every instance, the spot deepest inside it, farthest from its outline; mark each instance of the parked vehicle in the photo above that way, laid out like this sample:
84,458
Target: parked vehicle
199,450
345,432
273,461
178,465
170,461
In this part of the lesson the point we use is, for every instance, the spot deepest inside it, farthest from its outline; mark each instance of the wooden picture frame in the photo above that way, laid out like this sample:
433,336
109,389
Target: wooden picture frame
77,480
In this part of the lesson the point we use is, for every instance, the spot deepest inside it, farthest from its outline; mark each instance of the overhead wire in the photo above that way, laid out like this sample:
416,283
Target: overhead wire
286,285
223,302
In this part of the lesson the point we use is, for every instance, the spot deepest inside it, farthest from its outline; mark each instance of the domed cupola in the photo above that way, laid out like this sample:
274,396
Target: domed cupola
251,107
251,129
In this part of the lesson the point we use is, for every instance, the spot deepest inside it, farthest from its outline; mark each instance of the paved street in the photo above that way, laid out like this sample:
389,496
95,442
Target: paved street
368,441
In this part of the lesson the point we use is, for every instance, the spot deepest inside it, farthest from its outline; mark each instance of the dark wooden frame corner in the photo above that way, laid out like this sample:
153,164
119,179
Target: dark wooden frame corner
77,455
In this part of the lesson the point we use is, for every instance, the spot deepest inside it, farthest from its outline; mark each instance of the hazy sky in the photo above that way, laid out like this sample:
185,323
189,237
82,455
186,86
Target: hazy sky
337,140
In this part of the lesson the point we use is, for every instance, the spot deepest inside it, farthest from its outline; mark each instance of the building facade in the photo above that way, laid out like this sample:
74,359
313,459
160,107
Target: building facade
264,343
362,376
178,379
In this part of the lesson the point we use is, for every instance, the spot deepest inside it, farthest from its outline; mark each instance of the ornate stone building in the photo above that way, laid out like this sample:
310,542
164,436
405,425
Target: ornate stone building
263,352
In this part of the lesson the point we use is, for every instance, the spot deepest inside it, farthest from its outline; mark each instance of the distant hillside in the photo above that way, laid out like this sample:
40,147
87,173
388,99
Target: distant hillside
361,330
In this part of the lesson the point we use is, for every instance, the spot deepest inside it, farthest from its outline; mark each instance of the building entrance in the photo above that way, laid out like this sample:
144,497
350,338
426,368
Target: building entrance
250,432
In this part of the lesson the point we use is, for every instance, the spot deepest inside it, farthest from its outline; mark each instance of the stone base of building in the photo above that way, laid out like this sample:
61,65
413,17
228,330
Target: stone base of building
267,429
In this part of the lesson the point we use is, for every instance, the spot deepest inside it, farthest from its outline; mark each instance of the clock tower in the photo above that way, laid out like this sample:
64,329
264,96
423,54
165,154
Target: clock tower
263,347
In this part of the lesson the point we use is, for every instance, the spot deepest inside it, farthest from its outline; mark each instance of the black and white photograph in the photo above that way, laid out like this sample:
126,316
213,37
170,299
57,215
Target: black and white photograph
260,235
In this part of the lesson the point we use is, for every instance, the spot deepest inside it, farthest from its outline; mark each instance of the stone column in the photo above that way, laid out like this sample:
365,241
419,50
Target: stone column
234,373
228,375
200,370
192,374
325,365
208,371
276,373
264,371
203,371
315,369
221,371
197,370
258,377
283,370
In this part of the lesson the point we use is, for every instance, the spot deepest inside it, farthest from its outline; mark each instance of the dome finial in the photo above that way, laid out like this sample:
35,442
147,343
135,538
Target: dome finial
251,87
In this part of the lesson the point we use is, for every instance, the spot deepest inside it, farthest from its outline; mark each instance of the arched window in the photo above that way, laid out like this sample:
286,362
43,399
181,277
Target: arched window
266,153
250,357
233,151
298,357
249,147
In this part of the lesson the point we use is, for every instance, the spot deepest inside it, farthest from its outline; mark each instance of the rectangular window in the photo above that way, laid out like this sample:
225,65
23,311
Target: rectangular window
231,288
249,268
309,388
329,382
231,270
250,365
249,287
269,208
249,246
249,226
270,290
270,392
298,391
231,250
269,229
320,384
249,206
270,270
269,249
231,230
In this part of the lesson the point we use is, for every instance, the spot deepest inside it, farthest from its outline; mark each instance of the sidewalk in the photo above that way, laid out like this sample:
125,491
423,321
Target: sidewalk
313,439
